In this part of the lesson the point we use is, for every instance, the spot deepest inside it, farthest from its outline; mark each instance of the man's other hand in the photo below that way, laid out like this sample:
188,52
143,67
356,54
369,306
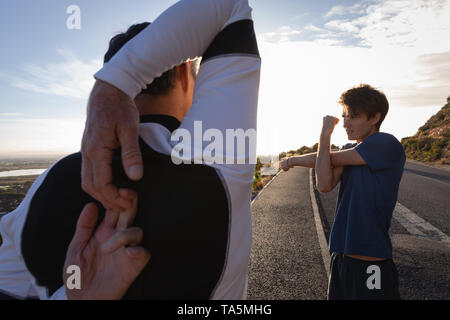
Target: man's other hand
108,256
112,122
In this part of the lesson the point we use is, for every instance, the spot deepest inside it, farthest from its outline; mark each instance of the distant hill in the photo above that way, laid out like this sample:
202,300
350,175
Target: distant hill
304,150
431,142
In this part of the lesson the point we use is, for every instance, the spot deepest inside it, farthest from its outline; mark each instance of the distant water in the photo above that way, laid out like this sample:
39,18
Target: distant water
18,173
269,171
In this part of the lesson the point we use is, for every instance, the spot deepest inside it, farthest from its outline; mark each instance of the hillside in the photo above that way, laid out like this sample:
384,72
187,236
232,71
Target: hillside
304,150
431,142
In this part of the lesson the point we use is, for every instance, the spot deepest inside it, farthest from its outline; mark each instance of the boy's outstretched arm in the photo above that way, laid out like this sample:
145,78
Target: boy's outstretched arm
347,157
305,160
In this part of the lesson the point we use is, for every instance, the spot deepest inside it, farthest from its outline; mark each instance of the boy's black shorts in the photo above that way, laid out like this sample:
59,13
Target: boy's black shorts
354,279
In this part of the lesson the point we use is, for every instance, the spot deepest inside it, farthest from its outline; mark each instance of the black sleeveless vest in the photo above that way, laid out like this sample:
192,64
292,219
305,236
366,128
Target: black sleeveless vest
182,209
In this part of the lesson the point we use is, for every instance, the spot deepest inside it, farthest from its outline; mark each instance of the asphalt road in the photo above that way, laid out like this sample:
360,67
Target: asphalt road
286,261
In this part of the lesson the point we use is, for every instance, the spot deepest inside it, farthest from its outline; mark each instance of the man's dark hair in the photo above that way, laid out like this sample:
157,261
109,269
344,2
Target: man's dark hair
160,85
365,99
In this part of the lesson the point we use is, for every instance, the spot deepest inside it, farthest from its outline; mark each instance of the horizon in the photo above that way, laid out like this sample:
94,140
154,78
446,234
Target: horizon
311,52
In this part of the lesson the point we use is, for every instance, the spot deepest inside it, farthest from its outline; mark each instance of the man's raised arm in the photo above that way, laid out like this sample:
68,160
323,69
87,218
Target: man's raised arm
183,31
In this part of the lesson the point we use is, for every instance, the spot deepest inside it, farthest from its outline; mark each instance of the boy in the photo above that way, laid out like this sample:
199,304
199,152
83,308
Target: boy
369,172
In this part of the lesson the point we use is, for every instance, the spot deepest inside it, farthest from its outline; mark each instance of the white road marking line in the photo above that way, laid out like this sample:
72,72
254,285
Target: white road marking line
418,226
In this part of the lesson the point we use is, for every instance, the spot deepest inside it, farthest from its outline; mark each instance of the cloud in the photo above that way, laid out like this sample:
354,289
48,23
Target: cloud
419,24
282,34
336,11
431,84
342,25
313,28
70,78
339,10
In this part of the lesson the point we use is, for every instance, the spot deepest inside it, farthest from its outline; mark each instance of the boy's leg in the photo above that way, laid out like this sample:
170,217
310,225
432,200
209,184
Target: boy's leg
335,283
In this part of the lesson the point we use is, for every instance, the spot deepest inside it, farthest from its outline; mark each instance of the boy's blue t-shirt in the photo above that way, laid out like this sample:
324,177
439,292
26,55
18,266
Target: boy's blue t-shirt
367,198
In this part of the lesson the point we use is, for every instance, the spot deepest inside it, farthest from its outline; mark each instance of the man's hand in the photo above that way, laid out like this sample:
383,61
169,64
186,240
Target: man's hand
285,165
329,122
112,122
107,267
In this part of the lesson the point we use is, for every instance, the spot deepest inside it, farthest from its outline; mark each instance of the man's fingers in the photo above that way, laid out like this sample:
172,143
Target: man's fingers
128,194
138,253
131,236
131,153
111,218
139,257
126,217
107,193
115,201
102,178
87,178
85,225
88,185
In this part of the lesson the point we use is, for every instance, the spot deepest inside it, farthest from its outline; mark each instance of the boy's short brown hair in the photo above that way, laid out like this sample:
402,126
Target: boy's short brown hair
365,99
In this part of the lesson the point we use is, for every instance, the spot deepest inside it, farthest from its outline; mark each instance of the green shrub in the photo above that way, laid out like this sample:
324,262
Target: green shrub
257,180
258,164
446,133
314,148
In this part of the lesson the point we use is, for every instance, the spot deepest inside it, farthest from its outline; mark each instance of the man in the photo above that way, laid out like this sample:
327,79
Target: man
166,101
195,218
225,99
369,173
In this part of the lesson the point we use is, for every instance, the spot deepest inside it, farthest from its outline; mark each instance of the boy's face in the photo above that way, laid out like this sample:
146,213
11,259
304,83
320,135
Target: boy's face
357,125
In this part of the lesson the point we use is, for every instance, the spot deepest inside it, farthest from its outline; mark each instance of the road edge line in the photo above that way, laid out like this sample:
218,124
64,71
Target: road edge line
320,232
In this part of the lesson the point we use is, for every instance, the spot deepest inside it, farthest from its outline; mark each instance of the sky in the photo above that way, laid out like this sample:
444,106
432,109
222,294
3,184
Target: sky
311,52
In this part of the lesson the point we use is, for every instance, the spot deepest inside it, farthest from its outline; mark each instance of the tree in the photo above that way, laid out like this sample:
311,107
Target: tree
258,164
